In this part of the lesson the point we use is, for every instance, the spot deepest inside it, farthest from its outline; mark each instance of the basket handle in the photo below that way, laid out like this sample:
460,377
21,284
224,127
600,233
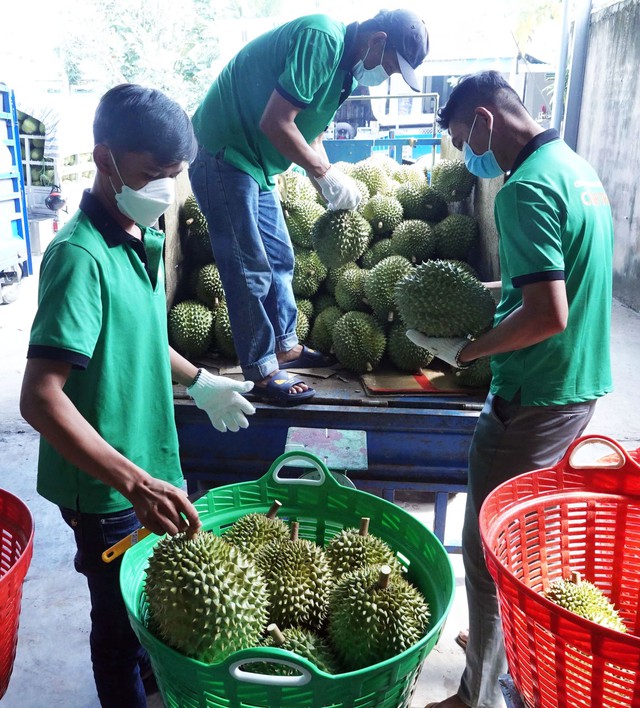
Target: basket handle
287,458
302,679
617,459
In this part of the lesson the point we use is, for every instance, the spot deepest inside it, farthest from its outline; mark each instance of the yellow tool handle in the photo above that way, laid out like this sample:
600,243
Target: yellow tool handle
125,544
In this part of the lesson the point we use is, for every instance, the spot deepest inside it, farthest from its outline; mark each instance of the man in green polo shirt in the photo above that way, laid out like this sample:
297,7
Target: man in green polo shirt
98,381
549,346
269,108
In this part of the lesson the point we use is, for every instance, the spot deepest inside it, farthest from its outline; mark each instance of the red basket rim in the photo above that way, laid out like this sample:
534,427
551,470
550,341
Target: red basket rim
28,529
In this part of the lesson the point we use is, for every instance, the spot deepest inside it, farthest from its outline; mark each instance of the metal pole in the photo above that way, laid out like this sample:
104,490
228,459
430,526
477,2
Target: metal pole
561,71
576,75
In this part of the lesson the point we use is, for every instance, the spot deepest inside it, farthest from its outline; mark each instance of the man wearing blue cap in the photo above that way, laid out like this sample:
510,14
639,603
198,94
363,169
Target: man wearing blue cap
269,108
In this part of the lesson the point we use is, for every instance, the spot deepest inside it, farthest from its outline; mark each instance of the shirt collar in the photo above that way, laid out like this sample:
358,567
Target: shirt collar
536,142
111,231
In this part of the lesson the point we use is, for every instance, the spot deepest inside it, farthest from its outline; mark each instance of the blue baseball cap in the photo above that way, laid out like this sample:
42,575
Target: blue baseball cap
407,34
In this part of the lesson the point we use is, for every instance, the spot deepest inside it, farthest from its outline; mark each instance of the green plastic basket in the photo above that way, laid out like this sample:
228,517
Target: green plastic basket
323,508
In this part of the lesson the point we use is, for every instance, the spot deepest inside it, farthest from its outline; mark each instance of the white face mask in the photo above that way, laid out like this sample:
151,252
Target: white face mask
370,77
145,205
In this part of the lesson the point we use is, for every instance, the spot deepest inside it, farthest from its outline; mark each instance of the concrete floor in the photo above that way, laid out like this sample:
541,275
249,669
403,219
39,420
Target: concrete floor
52,667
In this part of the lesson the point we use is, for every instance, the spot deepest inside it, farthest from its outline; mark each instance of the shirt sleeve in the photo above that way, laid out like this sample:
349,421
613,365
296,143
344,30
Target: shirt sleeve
311,63
69,314
532,222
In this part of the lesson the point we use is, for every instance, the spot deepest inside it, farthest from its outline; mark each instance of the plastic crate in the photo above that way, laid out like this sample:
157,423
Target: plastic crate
16,549
579,516
323,508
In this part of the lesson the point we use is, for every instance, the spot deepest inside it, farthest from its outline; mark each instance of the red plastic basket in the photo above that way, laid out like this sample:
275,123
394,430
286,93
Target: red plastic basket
580,515
16,549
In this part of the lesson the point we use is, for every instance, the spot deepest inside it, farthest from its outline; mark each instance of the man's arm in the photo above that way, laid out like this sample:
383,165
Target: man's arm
45,406
543,313
278,124
182,370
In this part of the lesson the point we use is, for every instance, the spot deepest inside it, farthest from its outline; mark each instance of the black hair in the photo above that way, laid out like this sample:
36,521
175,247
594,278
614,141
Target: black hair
133,118
473,90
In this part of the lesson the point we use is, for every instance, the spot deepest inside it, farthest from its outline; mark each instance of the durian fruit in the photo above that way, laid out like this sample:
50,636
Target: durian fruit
322,330
222,331
300,218
365,194
334,275
404,354
586,600
409,174
434,206
383,212
206,599
353,549
190,327
322,301
478,374
380,283
340,237
442,299
349,290
455,236
305,306
452,179
193,216
304,643
410,196
294,188
371,171
298,580
345,167
251,532
308,273
375,615
414,239
359,341
378,251
303,326
208,285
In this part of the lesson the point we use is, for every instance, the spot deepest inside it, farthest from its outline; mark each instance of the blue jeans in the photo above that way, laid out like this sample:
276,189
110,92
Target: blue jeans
509,439
116,653
253,252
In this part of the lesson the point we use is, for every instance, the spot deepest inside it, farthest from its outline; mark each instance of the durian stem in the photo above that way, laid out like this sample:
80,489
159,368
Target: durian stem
295,526
384,577
575,577
275,508
364,526
276,634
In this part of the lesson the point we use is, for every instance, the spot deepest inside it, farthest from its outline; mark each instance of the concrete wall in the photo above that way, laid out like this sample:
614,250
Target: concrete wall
609,132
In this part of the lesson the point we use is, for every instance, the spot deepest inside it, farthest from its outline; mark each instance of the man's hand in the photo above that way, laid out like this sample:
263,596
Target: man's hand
163,508
340,191
220,398
447,349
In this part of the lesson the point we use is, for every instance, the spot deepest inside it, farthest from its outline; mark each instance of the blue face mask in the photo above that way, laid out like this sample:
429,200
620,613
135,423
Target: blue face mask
370,77
485,165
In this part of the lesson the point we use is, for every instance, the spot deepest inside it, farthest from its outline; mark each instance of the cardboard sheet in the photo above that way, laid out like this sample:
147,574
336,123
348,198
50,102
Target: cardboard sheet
426,382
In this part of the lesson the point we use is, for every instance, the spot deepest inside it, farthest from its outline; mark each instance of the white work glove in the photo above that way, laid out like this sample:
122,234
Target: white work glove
445,348
340,191
220,398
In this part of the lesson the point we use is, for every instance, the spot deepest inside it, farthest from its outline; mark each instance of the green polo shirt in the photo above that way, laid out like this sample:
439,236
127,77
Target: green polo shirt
102,308
554,221
305,61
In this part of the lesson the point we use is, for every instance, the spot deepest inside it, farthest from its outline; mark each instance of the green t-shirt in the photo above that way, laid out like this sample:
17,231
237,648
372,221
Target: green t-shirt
100,310
301,60
554,221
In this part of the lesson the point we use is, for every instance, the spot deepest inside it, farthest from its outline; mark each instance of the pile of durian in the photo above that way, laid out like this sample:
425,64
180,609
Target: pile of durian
343,606
363,276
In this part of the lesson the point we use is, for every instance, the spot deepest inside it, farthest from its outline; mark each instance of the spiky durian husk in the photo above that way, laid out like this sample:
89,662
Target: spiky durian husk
308,273
349,290
306,644
443,299
587,600
348,551
380,283
378,251
383,212
404,354
251,532
478,374
340,236
298,580
413,239
206,599
322,330
209,285
305,306
452,179
359,341
222,331
300,218
190,326
368,624
455,236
